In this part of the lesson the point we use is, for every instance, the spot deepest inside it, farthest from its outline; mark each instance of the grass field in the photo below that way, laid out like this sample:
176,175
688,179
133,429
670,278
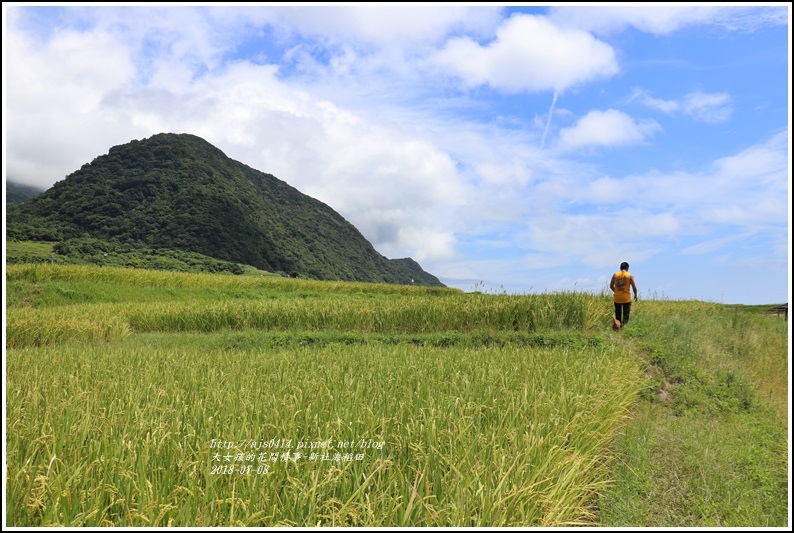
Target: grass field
148,398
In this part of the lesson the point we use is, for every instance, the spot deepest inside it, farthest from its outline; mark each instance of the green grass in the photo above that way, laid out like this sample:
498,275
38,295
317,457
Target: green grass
727,471
708,444
485,410
31,250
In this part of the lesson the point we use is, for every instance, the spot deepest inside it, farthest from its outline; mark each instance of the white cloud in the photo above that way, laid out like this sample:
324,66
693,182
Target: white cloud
762,164
714,245
704,107
529,54
386,25
708,107
509,173
751,188
55,105
597,239
606,128
606,190
597,219
666,19
665,106
748,189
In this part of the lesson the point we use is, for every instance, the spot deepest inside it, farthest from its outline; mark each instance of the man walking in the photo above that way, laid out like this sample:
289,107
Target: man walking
622,284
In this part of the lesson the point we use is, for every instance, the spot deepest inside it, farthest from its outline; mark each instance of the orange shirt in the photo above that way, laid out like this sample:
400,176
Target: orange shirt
622,287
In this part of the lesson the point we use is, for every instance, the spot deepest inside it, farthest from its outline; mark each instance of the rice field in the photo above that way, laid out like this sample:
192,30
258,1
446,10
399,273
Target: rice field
141,398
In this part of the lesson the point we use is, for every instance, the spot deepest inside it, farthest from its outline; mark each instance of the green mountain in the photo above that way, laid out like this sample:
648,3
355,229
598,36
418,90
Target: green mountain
17,193
179,192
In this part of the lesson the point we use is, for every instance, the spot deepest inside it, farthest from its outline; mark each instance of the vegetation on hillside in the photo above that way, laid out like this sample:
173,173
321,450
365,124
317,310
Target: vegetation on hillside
103,253
17,193
178,192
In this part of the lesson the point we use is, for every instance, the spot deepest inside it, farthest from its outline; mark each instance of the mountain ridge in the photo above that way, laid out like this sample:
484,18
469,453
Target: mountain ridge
178,191
17,193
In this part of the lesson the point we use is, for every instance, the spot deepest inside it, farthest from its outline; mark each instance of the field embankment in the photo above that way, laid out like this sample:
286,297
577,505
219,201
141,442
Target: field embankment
140,398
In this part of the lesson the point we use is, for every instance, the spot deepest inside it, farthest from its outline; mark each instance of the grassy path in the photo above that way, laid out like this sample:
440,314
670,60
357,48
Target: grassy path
708,443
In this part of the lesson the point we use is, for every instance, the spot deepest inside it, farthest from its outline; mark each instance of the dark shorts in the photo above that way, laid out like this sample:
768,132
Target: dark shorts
622,312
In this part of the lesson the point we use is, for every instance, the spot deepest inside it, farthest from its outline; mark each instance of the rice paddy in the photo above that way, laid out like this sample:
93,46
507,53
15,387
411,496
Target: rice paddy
142,398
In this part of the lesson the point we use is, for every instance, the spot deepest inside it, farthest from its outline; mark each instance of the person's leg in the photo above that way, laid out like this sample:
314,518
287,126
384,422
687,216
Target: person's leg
626,313
619,312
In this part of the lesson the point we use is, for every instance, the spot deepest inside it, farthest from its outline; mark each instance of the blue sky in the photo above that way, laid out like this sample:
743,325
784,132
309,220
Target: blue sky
517,149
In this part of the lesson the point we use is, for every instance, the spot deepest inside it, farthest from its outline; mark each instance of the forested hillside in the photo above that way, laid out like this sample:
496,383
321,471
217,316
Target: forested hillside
17,193
177,191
